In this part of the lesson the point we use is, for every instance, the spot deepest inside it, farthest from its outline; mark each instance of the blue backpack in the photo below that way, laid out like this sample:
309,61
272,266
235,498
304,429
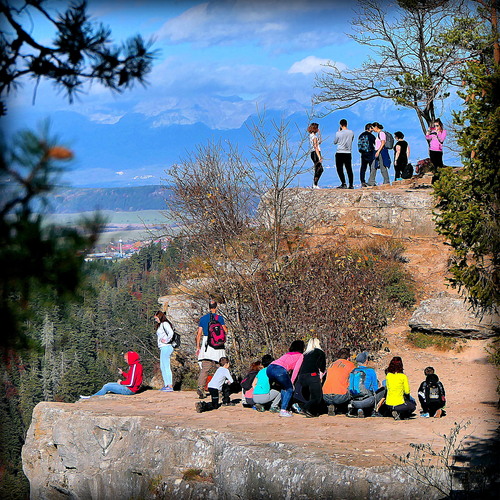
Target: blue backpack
357,386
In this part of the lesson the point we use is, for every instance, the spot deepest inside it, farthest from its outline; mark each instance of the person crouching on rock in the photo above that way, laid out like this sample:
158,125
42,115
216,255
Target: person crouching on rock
220,382
132,382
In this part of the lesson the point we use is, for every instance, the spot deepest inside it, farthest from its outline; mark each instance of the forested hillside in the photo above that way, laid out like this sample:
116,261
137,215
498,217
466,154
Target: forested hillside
127,199
76,347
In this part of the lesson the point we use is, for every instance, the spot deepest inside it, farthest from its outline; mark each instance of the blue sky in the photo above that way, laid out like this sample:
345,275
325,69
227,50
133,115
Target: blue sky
219,61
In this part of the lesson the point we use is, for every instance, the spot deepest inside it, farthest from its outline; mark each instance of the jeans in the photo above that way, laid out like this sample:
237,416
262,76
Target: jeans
166,372
114,388
279,374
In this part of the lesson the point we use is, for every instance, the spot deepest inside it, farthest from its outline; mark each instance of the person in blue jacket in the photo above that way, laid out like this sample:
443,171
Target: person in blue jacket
364,399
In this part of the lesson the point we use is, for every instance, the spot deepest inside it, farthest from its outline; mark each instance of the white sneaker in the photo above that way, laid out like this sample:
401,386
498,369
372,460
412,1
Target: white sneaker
85,397
284,413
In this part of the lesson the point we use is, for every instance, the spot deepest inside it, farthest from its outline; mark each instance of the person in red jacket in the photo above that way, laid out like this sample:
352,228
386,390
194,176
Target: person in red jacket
132,382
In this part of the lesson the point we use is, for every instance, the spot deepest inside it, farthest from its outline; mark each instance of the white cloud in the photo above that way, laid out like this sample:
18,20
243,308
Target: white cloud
119,173
106,119
311,64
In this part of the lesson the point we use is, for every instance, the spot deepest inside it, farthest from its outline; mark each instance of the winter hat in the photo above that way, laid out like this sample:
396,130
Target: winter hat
362,357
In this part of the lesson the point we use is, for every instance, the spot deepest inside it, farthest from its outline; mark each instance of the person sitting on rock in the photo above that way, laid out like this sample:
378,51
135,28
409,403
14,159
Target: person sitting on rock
431,395
336,387
220,382
263,394
398,402
132,382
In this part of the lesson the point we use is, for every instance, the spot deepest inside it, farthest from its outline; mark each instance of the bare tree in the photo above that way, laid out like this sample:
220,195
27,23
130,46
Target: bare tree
413,63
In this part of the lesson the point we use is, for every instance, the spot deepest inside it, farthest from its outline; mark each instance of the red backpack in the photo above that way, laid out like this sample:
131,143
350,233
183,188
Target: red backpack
216,333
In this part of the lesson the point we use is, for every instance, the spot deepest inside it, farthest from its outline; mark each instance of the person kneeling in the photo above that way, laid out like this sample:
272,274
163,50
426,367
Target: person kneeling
220,382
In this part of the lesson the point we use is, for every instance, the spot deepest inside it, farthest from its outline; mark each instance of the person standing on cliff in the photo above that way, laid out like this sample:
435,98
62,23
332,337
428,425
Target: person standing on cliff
206,354
343,156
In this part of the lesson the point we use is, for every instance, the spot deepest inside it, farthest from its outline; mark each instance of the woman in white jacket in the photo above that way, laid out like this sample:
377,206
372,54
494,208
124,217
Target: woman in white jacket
165,334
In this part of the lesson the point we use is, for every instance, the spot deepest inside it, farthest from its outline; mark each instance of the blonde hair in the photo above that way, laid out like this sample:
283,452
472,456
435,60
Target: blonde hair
313,344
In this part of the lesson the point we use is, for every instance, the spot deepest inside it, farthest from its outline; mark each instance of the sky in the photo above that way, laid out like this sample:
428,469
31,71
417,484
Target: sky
218,63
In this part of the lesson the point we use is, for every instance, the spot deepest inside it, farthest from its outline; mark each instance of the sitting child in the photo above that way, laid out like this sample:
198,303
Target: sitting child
431,395
247,384
220,382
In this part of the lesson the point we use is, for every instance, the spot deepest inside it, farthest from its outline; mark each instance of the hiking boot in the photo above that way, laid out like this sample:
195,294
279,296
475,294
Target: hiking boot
259,407
201,393
342,186
438,413
351,186
361,413
199,406
308,414
331,410
364,185
284,413
274,409
376,414
396,415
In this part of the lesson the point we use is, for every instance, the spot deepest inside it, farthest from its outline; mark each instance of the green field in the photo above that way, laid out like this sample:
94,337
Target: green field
152,217
145,224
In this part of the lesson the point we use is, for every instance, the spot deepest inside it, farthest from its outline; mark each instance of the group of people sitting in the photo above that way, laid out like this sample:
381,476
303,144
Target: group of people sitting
300,382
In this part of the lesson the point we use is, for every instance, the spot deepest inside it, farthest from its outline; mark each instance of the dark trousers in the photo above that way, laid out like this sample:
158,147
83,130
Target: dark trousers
398,170
312,383
318,167
432,407
436,158
214,393
366,161
344,160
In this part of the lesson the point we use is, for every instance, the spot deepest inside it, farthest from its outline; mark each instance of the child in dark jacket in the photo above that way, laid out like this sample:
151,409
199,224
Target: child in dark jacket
431,395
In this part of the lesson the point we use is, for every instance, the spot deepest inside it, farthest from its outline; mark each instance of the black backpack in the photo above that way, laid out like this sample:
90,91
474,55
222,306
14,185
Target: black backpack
432,392
407,172
364,143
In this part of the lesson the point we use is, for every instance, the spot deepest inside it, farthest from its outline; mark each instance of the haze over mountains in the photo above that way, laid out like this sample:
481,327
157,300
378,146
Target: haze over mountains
136,150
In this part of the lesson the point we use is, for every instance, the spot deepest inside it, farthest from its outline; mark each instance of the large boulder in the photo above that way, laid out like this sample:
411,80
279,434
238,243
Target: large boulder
450,315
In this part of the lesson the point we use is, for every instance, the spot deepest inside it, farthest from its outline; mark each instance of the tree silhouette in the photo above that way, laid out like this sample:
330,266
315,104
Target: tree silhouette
81,51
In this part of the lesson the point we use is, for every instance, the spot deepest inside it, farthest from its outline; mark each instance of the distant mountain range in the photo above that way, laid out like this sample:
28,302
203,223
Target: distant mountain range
136,151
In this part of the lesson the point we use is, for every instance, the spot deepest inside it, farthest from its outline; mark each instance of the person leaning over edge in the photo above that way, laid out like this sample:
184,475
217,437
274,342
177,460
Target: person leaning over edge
207,356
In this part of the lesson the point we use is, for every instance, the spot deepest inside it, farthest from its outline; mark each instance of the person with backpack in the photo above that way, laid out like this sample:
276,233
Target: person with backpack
278,371
401,156
164,337
343,156
210,344
383,142
366,146
336,387
315,148
431,395
364,389
398,401
219,383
